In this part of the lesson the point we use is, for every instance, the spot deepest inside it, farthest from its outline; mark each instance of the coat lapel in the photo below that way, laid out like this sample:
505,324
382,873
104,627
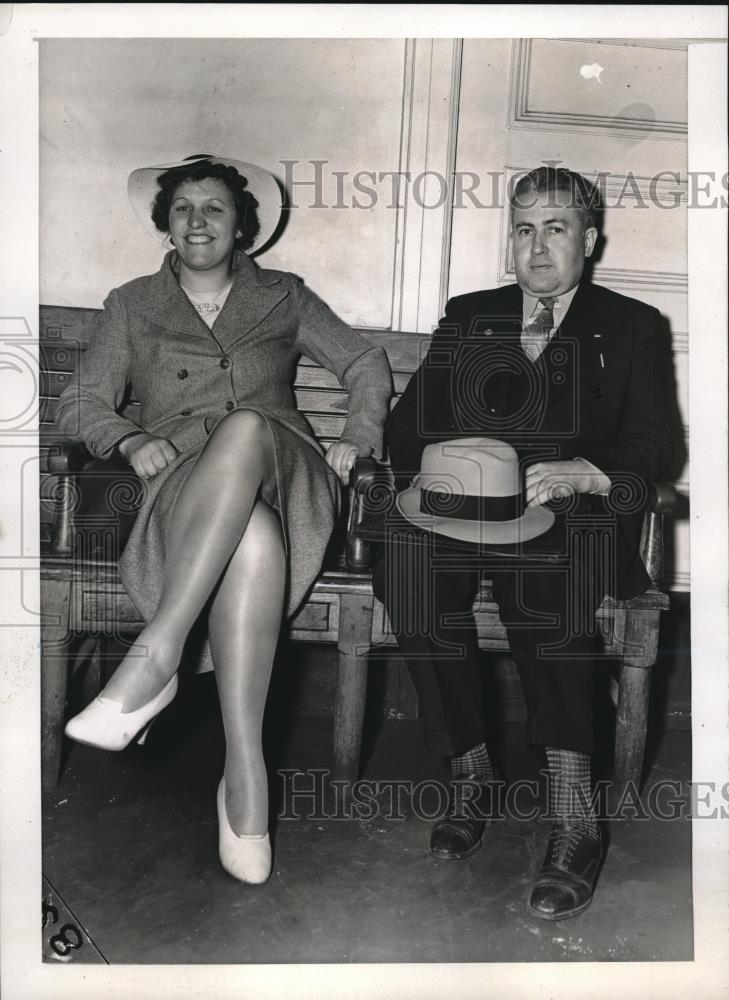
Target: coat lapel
161,301
253,295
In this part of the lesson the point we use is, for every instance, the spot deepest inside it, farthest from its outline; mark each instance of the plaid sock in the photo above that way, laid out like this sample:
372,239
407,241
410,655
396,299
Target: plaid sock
570,789
474,761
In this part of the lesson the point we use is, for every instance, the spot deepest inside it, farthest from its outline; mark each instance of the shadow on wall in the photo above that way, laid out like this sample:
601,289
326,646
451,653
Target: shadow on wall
282,222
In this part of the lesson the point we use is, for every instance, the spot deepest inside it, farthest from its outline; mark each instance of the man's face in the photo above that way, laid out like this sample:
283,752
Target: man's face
550,244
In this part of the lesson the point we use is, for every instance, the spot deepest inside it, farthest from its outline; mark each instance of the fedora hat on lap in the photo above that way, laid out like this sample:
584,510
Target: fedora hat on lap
142,189
470,489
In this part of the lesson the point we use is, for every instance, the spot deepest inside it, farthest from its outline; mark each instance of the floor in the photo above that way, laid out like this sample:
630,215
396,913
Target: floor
130,858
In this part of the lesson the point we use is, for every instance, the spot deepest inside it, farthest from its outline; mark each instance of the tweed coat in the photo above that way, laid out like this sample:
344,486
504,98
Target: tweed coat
609,394
188,377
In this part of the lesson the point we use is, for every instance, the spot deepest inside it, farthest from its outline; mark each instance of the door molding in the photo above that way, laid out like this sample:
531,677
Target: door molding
429,134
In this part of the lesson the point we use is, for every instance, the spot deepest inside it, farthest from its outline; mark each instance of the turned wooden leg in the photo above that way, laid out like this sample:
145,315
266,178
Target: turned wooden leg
355,630
631,724
55,637
640,645
88,661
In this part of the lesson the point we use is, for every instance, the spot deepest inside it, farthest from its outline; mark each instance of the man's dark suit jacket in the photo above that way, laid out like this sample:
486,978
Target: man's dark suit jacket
599,391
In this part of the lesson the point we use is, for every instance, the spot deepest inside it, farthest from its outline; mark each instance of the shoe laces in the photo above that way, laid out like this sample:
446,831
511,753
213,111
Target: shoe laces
565,842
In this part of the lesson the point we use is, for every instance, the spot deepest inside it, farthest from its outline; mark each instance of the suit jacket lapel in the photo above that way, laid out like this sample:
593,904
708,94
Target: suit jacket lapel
494,335
504,323
574,351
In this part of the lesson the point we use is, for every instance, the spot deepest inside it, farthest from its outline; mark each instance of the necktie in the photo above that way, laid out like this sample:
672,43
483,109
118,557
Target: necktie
535,336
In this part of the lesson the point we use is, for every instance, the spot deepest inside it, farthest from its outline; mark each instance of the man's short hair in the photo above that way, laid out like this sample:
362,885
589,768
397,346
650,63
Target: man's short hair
584,196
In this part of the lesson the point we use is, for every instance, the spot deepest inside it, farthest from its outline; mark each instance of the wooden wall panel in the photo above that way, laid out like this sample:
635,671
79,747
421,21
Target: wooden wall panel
618,89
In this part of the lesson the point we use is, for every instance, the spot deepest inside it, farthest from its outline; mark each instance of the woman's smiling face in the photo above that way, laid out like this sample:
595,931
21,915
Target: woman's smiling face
203,225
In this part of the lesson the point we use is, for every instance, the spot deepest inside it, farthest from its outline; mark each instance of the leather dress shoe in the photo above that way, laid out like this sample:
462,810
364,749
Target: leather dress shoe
459,833
566,881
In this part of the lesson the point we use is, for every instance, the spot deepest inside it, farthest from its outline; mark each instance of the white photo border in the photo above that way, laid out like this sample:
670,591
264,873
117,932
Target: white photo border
23,973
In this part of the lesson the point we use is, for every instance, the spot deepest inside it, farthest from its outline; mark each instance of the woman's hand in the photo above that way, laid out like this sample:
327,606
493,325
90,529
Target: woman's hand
341,456
147,454
552,480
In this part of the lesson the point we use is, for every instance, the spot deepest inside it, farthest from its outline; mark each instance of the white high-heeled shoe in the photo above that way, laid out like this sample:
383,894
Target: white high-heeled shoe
247,856
103,724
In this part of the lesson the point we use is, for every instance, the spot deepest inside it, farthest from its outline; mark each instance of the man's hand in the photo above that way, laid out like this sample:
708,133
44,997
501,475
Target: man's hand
147,454
341,456
552,480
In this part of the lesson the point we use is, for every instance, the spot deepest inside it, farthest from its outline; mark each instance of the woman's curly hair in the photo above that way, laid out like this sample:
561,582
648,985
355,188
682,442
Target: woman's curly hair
197,170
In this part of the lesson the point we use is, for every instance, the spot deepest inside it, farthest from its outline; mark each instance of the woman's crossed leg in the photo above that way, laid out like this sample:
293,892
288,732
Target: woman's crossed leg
226,542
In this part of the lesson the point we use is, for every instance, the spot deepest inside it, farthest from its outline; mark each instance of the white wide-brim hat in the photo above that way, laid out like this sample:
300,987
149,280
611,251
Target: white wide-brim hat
470,489
142,188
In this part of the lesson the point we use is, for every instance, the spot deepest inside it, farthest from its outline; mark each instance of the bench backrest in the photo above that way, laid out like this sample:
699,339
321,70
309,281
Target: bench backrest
319,396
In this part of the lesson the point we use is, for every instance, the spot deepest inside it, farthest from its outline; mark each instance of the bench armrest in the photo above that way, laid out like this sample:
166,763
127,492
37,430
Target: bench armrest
65,460
661,500
65,457
370,488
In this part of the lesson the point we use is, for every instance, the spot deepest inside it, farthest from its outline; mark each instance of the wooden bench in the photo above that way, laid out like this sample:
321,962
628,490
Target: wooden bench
82,595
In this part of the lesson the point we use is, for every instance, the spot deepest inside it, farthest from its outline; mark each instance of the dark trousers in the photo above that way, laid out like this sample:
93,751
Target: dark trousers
428,586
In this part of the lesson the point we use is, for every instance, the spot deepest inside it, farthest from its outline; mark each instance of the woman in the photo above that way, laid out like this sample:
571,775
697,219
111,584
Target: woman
239,500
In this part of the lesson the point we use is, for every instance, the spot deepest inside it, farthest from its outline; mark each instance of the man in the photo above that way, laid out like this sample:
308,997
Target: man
574,378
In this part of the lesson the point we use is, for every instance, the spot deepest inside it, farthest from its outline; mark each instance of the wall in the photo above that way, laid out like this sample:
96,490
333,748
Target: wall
108,106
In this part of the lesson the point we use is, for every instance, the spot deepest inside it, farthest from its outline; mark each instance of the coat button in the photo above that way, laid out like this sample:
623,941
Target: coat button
597,393
185,413
225,362
182,373
230,405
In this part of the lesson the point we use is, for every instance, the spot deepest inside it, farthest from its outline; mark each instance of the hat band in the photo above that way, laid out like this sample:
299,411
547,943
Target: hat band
466,507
